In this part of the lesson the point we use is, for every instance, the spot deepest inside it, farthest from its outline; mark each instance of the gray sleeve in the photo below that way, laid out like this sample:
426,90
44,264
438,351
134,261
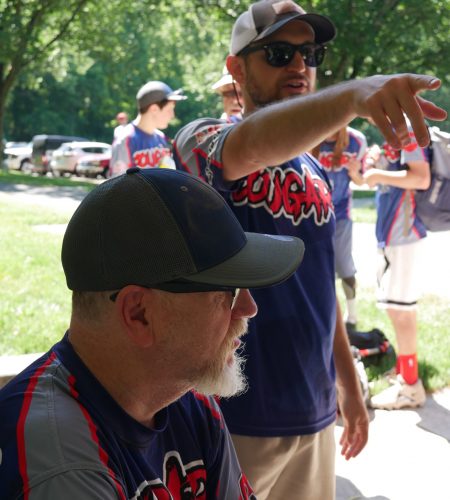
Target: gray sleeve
78,483
412,152
232,482
198,150
120,156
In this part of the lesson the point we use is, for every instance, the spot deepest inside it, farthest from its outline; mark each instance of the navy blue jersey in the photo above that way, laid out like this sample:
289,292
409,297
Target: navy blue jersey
338,175
136,148
63,436
289,347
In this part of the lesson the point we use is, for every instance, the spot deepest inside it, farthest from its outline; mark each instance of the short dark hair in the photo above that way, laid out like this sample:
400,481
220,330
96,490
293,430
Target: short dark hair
89,305
161,104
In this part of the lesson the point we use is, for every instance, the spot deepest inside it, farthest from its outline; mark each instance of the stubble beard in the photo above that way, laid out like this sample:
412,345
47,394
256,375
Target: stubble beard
221,378
260,98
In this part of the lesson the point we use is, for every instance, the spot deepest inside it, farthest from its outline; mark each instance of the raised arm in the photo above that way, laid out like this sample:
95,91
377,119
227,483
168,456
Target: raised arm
286,129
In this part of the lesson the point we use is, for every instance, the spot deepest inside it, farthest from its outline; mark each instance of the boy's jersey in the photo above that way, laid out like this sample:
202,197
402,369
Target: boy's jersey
338,175
397,222
63,436
289,347
136,148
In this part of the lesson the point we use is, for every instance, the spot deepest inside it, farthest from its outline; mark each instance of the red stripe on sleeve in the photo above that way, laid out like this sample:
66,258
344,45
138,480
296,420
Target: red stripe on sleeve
20,430
207,402
130,156
103,455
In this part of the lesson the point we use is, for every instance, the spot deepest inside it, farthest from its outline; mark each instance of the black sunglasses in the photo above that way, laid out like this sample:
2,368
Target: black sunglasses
188,287
279,54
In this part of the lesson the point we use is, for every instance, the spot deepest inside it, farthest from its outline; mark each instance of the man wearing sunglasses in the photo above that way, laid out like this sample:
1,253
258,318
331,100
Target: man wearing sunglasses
122,406
297,348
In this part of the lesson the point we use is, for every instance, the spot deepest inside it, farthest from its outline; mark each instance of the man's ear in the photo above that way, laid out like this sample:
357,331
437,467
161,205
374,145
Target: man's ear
134,307
235,66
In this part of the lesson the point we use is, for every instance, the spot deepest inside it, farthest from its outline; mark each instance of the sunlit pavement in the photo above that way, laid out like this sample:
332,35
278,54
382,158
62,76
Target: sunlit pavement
408,453
407,456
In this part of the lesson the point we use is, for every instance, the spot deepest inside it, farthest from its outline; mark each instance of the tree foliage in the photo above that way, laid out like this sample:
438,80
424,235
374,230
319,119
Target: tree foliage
69,66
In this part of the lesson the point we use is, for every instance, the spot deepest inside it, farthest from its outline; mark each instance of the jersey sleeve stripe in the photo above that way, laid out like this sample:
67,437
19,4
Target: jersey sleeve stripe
130,157
93,429
20,430
179,159
208,402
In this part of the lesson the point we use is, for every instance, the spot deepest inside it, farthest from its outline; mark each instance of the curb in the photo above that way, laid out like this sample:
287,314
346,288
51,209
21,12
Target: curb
10,366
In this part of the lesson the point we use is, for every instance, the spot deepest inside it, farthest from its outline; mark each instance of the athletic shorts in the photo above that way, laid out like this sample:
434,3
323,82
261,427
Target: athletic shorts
289,467
345,267
398,276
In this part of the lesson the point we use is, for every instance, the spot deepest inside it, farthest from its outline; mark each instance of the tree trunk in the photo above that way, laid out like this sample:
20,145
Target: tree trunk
2,114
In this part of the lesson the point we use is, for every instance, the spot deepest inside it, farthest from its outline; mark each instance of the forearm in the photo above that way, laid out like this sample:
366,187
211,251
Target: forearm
404,179
282,131
346,378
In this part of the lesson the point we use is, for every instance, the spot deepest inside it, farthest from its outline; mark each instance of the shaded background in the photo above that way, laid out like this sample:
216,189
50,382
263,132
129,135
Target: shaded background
68,66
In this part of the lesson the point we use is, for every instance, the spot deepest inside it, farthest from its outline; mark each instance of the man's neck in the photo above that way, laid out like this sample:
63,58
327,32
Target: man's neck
145,123
125,376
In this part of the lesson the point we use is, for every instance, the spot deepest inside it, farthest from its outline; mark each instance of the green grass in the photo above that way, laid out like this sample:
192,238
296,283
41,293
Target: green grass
433,342
35,302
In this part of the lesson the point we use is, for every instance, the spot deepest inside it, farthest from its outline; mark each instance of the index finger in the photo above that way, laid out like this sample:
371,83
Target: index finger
417,108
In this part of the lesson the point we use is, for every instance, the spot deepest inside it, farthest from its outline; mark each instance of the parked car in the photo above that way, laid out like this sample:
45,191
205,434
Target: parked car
43,147
66,157
15,144
18,156
93,165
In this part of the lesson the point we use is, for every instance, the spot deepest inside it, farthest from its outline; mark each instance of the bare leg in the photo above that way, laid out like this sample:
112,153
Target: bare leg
405,327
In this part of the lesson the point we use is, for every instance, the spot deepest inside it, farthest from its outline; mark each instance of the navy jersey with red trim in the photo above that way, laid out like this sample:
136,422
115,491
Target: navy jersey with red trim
338,175
289,347
63,436
397,221
136,148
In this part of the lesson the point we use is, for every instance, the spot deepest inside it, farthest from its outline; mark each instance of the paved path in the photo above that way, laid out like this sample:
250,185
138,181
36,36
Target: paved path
407,456
64,199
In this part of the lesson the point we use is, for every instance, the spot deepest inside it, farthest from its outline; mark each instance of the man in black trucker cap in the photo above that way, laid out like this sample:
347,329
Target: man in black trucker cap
122,406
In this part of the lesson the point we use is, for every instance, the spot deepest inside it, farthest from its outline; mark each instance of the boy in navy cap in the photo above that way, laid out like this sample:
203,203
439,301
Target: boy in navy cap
142,143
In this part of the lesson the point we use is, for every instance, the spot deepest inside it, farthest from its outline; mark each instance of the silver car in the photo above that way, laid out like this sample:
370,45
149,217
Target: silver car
66,157
18,156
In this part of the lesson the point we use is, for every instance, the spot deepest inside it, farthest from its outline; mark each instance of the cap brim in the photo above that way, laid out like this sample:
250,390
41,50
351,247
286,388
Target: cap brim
324,29
177,95
225,80
265,260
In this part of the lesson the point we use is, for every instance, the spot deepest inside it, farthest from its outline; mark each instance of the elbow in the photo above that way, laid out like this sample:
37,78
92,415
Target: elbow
425,181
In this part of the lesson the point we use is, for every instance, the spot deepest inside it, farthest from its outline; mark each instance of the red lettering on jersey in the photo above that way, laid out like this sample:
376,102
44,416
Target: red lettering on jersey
246,490
150,157
286,192
326,160
182,482
391,154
